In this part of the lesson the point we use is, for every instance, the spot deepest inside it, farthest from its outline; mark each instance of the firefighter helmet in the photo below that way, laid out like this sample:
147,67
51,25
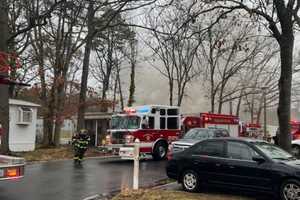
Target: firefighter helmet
83,132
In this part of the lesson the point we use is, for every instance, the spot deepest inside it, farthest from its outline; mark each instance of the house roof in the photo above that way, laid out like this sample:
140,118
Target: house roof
22,103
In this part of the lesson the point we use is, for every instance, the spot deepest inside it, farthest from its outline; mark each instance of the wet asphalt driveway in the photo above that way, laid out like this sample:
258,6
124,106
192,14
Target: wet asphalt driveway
61,180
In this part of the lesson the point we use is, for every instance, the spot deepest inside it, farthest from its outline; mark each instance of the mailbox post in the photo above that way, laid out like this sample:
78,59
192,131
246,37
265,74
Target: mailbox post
136,159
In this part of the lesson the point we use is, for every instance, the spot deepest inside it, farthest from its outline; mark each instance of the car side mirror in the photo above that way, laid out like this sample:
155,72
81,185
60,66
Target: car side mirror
258,159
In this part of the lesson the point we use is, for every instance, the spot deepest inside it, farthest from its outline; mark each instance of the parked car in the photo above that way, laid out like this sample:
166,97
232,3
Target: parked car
237,163
196,135
296,147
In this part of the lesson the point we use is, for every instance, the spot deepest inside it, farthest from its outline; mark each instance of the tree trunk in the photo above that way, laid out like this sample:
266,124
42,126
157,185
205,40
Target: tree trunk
230,107
212,101
132,73
50,113
47,129
115,94
59,118
132,85
120,87
85,67
171,87
285,83
12,87
252,109
258,115
259,111
4,100
238,107
57,129
221,98
109,64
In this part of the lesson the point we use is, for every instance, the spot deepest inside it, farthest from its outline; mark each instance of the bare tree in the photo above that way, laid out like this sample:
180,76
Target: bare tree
176,53
231,50
6,39
132,57
108,11
281,19
55,45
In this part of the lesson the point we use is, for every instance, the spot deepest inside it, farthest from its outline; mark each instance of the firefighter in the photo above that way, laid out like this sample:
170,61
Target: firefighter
80,143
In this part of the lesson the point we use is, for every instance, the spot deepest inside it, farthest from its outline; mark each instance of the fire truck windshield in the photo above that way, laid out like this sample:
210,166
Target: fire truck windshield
125,122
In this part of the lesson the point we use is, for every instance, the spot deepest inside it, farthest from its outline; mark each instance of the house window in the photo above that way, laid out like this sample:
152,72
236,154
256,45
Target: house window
25,115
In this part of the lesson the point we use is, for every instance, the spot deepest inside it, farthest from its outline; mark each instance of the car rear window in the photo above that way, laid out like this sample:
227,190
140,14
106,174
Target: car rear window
221,133
198,134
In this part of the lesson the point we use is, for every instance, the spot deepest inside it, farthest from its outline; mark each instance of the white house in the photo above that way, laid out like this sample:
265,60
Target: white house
22,125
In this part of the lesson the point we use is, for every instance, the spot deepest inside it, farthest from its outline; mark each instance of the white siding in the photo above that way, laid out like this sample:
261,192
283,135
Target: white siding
21,137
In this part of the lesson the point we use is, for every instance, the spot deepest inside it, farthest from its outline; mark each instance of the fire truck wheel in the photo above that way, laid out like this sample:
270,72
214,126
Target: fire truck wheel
160,151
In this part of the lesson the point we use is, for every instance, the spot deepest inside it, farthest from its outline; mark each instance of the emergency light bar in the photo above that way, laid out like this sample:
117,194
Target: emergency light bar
143,109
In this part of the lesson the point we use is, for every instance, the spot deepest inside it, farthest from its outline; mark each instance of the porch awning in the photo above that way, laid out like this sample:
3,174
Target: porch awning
97,115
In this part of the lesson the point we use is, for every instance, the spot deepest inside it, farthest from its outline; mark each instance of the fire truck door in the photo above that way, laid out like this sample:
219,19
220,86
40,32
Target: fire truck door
157,121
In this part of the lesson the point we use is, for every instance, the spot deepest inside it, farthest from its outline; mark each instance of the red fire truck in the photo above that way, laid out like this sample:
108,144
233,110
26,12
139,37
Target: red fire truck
295,129
252,130
155,126
209,120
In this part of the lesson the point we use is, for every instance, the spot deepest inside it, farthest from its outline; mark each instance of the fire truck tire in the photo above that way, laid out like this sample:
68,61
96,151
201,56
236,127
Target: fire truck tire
160,150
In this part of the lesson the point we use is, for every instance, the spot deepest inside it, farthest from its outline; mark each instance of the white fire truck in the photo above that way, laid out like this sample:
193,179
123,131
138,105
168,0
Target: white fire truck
155,126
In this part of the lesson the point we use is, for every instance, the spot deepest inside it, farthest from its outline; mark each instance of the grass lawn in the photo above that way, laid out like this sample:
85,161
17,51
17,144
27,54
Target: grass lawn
58,153
173,195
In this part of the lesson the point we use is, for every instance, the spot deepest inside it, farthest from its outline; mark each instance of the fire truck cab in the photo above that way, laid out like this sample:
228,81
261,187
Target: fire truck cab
154,126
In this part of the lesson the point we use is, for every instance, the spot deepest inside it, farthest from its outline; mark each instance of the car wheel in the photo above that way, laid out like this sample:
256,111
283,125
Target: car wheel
296,150
160,151
190,181
290,190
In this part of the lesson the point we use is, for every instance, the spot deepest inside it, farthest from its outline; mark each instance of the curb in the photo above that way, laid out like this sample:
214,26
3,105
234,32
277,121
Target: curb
109,196
70,159
165,185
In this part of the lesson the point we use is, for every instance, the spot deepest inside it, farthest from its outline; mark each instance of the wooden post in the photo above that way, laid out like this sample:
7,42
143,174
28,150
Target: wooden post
136,164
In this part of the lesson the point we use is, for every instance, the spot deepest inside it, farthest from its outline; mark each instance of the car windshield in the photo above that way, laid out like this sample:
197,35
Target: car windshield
273,151
125,122
197,134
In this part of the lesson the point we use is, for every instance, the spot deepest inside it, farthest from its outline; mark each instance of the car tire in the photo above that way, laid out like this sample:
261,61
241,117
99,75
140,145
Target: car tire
190,181
289,190
296,150
160,151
